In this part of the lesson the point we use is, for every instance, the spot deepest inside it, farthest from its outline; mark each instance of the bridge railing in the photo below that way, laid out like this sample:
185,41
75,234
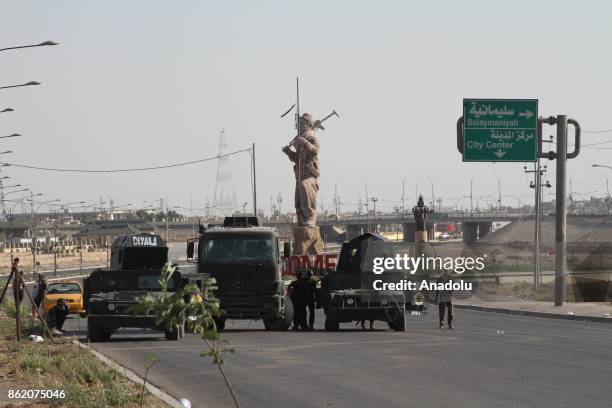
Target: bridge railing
433,216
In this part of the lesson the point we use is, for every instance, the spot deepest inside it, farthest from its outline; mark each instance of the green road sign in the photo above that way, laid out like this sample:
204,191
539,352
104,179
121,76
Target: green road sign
500,130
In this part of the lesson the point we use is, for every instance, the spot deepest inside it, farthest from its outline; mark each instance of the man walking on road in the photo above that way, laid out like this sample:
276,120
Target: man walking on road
444,298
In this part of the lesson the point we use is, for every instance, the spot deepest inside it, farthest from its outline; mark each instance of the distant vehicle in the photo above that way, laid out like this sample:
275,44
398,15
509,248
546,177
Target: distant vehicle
135,270
444,236
245,260
71,291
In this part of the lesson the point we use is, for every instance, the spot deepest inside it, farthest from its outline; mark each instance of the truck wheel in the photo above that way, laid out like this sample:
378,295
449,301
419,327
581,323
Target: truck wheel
331,324
282,322
173,334
220,323
106,334
399,324
94,332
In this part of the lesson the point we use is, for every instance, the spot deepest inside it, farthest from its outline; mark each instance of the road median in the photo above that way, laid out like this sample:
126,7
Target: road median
591,312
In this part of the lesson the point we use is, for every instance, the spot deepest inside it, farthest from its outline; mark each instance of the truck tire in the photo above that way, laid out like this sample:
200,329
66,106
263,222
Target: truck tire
95,332
220,323
399,324
172,335
282,322
331,323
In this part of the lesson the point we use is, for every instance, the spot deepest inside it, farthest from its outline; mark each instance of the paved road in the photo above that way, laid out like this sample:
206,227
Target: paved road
535,362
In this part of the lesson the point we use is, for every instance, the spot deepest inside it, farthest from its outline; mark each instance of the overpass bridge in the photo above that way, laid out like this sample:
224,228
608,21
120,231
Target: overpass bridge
473,225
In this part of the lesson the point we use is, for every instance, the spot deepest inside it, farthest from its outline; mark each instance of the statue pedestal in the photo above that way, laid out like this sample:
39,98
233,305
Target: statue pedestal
307,241
420,236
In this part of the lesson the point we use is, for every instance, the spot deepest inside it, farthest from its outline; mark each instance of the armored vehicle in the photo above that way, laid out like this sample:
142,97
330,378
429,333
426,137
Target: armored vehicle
348,294
244,259
135,270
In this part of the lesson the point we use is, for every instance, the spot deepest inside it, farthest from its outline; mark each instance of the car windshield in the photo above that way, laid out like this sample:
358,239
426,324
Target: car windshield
238,248
63,289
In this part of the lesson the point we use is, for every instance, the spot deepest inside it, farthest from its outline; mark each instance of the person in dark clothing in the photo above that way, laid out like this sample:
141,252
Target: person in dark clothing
41,290
299,297
18,285
444,298
311,300
57,315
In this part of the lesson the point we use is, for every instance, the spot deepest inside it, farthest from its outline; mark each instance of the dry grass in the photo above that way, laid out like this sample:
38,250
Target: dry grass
63,366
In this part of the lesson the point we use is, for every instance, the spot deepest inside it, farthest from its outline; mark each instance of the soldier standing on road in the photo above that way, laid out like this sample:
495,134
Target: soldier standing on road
445,300
311,300
299,297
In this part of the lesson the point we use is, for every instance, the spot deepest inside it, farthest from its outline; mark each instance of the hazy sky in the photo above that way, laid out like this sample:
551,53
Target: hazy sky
143,83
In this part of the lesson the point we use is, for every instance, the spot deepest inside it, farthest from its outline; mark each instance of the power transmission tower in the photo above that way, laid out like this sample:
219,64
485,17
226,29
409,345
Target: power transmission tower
224,199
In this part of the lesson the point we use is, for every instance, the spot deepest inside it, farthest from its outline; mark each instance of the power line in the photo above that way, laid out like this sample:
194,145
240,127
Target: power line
595,144
597,131
167,166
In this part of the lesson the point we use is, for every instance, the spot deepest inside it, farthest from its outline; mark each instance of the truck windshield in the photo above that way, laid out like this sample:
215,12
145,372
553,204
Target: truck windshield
237,248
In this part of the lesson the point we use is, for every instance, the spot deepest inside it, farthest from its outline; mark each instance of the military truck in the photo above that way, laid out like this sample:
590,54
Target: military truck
135,269
245,260
347,293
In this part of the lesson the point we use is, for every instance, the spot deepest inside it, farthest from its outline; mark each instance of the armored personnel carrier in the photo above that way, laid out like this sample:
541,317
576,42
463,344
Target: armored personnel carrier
135,270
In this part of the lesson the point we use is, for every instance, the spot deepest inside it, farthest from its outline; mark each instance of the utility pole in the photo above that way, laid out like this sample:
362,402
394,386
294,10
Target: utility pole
55,252
403,197
167,226
16,297
336,200
499,196
433,197
254,184
607,197
571,197
472,196
561,210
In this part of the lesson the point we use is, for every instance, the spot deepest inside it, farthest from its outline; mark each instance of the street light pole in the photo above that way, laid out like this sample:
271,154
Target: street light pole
42,44
472,196
31,83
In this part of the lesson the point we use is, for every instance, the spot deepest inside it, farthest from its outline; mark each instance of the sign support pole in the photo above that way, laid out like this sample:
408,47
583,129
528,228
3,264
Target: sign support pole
561,211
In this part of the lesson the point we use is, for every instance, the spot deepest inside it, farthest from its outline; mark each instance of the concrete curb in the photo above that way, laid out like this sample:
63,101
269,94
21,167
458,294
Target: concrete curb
596,319
156,392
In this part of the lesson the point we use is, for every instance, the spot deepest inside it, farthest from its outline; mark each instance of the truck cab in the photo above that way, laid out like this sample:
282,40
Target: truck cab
245,260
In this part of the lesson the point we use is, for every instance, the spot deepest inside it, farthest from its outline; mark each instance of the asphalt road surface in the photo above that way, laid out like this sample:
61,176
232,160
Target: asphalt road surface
489,360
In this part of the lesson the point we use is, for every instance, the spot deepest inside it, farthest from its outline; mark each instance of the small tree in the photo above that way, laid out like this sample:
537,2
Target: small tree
171,310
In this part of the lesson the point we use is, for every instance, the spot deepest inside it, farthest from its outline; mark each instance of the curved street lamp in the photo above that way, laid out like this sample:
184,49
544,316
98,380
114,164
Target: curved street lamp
19,191
7,110
601,165
31,83
42,44
13,135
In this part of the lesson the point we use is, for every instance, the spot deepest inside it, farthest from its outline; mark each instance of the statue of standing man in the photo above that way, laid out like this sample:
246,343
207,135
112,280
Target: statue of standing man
305,160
